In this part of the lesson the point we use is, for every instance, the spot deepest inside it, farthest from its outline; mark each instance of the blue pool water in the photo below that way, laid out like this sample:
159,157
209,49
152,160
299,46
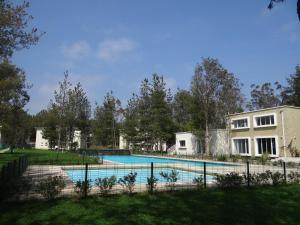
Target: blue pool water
147,160
142,174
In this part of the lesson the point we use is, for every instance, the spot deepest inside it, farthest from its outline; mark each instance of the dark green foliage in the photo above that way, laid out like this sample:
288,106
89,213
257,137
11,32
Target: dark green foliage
69,111
81,188
15,35
291,93
51,187
128,182
229,180
151,183
106,184
171,178
223,158
148,117
277,178
199,181
294,177
13,97
106,124
265,96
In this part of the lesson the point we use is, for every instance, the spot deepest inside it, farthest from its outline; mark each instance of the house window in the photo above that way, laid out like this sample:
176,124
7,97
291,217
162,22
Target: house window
266,146
241,146
265,121
240,123
182,144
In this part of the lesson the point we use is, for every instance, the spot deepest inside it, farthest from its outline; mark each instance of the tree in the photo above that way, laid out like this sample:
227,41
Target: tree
183,110
291,93
106,122
161,123
69,110
148,116
130,126
217,93
272,3
47,119
265,96
14,34
13,97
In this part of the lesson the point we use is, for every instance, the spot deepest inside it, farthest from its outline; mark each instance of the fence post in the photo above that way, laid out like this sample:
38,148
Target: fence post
284,172
85,180
248,174
151,178
204,173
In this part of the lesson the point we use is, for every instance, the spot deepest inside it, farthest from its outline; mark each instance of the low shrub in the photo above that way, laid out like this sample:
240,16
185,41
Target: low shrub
222,158
171,178
229,180
128,182
277,178
51,187
80,187
264,158
199,181
106,184
293,177
151,182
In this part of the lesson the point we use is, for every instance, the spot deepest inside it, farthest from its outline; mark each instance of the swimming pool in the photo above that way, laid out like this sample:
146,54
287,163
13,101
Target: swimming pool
142,174
133,159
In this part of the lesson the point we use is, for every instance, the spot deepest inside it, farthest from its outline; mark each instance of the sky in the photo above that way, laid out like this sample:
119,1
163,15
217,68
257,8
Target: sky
113,45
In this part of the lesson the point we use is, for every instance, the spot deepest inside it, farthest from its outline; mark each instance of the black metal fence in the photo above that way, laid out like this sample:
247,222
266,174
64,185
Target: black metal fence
82,180
13,169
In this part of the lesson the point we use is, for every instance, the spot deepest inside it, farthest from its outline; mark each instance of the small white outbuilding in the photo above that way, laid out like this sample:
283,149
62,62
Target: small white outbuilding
187,144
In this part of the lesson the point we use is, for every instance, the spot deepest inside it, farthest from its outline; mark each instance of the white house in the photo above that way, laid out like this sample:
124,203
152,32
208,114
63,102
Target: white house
187,144
42,143
123,144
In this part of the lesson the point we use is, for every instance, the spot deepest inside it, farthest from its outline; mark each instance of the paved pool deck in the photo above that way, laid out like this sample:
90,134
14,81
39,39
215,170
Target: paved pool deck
39,172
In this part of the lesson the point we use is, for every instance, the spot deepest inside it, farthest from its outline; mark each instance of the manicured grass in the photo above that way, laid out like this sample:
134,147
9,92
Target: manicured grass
266,205
45,157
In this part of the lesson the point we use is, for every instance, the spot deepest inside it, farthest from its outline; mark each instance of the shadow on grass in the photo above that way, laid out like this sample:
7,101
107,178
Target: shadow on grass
267,205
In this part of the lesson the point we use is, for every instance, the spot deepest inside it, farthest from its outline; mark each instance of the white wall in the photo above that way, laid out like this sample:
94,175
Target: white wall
122,142
219,142
192,146
40,142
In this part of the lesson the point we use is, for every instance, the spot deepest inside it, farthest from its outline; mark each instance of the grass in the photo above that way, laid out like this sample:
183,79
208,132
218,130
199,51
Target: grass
45,157
265,205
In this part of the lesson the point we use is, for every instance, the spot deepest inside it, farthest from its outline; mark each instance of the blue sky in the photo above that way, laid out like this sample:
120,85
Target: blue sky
114,45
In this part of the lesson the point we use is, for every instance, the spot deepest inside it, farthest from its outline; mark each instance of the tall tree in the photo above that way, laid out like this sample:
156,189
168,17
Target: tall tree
148,116
14,31
106,122
72,109
13,97
291,93
217,93
183,110
265,96
130,126
161,126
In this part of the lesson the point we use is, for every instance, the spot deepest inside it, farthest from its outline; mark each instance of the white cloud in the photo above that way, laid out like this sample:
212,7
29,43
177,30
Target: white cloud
76,50
114,49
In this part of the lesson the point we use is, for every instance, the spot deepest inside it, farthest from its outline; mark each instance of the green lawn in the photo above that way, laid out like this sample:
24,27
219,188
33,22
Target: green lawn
44,157
266,205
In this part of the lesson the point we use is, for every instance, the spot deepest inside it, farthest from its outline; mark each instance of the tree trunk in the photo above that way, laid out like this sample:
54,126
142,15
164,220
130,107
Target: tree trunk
206,139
